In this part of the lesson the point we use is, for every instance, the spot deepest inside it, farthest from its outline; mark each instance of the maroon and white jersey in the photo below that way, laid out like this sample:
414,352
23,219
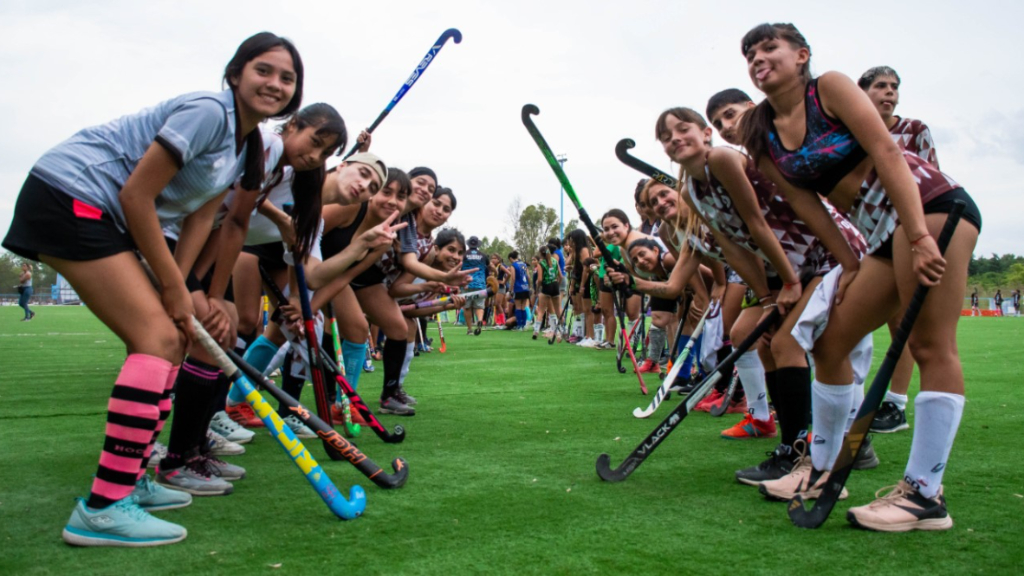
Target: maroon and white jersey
806,254
392,267
872,212
703,241
915,137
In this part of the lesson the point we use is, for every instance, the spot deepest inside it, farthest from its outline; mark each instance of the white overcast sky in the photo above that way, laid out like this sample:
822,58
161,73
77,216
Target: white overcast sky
599,71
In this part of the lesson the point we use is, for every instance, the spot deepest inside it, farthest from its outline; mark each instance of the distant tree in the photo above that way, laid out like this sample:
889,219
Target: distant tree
536,224
495,245
43,276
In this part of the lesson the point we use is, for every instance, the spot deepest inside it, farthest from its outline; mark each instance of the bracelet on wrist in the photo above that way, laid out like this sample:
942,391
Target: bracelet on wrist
919,238
788,284
772,305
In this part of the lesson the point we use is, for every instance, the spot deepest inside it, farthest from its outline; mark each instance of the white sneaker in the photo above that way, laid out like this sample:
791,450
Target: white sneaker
221,446
232,431
300,429
159,453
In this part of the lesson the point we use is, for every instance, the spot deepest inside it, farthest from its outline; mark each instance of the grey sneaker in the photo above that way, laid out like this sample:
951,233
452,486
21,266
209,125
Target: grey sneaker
300,429
233,431
218,445
866,459
123,523
159,453
395,406
404,397
196,478
151,496
223,470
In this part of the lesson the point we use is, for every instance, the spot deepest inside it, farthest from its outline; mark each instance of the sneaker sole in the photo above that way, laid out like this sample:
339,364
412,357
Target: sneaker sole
926,524
77,537
899,428
172,506
215,452
810,495
195,492
396,412
762,436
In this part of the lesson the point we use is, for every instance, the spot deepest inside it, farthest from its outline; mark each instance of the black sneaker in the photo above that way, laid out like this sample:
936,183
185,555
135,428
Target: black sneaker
779,463
889,418
682,386
866,459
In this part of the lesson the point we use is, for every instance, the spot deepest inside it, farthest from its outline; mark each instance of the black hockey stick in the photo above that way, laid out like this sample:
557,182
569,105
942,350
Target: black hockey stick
723,407
326,432
680,412
452,33
559,321
843,466
354,399
639,165
528,111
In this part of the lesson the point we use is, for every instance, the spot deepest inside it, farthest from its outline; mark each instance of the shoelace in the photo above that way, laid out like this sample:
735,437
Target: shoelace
130,507
895,492
200,465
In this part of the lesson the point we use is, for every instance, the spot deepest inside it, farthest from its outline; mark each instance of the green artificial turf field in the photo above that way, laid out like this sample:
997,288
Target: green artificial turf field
501,456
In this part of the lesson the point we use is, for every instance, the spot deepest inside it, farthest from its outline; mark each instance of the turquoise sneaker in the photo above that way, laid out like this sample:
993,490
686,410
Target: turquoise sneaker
152,496
122,523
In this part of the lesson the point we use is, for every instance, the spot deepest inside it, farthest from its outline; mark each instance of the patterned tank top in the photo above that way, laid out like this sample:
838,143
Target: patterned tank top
828,153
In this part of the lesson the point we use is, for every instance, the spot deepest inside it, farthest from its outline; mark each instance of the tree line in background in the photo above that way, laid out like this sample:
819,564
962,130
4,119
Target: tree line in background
531,227
986,275
10,270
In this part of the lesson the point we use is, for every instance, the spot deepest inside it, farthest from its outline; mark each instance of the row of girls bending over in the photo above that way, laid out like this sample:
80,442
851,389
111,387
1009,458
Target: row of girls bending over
827,208
169,213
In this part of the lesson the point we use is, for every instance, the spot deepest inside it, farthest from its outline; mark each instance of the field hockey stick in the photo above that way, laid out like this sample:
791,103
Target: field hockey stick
663,390
440,334
723,406
326,432
680,412
640,166
679,334
343,508
528,111
622,350
843,465
419,330
441,300
320,394
351,428
627,342
346,388
456,37
561,318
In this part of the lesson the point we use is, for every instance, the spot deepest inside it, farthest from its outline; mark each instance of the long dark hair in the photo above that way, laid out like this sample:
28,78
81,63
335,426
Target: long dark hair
307,186
757,123
252,47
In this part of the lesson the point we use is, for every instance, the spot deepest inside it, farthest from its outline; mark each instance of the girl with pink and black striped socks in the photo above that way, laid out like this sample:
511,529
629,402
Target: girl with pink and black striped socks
94,200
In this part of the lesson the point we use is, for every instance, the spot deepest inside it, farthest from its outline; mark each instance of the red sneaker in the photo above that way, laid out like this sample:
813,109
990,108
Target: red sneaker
738,407
648,366
243,414
749,428
710,400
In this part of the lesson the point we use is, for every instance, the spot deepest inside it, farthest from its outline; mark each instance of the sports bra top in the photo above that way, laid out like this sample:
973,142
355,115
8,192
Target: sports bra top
334,241
828,153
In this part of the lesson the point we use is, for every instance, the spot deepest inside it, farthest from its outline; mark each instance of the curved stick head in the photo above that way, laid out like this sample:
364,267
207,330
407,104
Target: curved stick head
355,505
622,146
397,436
528,111
401,474
452,33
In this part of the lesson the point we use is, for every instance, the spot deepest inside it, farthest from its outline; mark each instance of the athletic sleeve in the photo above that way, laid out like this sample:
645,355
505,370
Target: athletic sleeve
407,235
192,128
926,146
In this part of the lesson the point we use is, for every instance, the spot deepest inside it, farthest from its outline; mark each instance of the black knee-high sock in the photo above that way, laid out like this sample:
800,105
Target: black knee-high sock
771,384
794,402
291,385
394,357
195,389
722,354
220,398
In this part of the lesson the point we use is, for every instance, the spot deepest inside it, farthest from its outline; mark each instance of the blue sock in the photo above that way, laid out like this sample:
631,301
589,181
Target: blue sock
259,355
520,319
353,356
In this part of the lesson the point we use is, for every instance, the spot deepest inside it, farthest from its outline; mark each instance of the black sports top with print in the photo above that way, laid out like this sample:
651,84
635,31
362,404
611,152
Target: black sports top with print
334,241
828,153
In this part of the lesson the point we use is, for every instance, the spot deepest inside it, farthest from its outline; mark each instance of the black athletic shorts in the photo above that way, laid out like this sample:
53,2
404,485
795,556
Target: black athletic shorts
194,283
524,295
941,205
550,289
663,305
271,255
369,277
48,221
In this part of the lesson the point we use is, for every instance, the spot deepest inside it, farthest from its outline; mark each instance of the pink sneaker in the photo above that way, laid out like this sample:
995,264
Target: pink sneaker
748,428
803,480
708,402
902,509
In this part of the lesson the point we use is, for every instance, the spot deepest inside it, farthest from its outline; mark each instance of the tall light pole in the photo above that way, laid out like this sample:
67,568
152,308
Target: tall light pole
562,159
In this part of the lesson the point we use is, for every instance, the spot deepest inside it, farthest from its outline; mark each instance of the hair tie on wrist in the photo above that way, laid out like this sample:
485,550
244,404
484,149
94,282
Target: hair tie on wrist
922,237
788,284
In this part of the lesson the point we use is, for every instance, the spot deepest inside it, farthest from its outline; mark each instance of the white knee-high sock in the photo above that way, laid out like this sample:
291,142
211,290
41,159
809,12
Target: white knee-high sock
936,419
751,372
855,402
830,406
410,351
